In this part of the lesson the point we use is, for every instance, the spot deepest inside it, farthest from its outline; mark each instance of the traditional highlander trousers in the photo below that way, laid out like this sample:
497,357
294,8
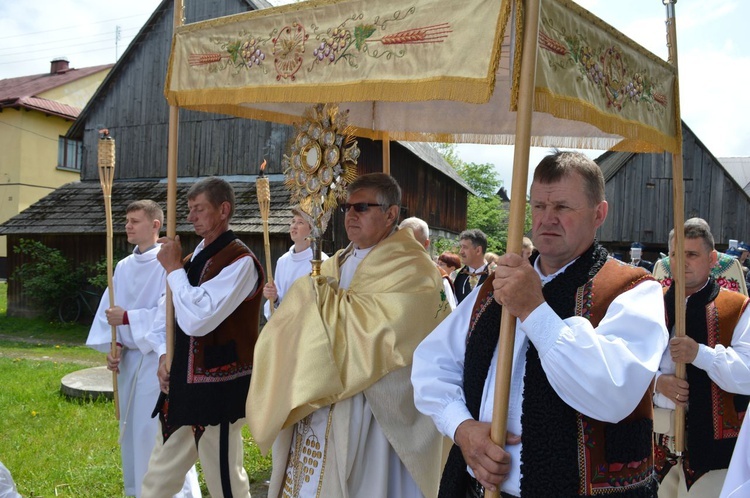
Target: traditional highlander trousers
714,416
209,380
564,453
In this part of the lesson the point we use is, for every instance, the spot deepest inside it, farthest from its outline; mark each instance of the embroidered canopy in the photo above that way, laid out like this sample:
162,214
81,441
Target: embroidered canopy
440,70
430,70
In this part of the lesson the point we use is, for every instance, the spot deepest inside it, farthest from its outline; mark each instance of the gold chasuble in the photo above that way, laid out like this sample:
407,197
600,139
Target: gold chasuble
326,344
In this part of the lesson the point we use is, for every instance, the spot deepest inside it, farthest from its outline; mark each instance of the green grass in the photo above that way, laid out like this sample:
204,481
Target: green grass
42,329
53,445
3,298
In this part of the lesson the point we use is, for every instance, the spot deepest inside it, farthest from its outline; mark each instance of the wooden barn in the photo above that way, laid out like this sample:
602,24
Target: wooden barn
131,105
639,192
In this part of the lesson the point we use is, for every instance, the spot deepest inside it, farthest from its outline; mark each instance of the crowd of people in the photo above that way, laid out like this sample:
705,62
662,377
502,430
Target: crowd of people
377,377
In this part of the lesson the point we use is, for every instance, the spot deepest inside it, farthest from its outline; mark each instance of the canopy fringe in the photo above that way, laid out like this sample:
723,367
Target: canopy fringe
637,134
463,89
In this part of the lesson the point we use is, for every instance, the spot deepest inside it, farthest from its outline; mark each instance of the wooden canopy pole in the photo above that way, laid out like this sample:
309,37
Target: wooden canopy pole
386,153
174,122
517,217
678,189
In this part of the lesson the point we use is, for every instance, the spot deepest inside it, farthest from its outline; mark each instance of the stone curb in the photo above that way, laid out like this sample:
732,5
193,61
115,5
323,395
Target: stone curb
88,383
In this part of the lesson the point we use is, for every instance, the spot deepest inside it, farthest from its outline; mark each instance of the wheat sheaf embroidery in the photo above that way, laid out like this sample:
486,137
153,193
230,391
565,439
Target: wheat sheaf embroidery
289,48
604,67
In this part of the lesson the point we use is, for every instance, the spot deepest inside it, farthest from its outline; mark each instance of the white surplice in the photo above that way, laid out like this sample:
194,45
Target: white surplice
289,267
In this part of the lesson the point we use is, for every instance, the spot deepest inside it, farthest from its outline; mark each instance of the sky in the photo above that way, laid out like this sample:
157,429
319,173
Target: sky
712,39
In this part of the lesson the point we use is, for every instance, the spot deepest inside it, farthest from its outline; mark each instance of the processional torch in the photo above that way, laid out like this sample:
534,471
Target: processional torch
106,155
263,192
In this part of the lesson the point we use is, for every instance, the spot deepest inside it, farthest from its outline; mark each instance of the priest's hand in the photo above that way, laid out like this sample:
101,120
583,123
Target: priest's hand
163,374
270,292
683,349
170,254
517,287
489,462
115,315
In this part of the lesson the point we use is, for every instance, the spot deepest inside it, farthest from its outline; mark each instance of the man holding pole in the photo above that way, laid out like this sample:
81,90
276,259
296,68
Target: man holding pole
139,283
216,296
590,333
342,421
716,349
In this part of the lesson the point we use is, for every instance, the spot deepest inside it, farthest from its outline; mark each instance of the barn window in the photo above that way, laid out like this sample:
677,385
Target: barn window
69,153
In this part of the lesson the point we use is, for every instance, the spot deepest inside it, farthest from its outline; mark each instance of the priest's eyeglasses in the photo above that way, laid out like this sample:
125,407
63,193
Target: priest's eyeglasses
359,207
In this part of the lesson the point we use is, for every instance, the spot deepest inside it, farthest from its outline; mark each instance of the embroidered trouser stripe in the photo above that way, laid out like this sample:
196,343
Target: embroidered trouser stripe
226,482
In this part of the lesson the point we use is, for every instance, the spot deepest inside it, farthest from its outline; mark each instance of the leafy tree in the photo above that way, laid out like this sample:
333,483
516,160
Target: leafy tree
486,215
98,281
443,244
482,178
448,151
47,277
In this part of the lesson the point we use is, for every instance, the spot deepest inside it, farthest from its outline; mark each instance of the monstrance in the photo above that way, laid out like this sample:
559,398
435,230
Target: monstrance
321,162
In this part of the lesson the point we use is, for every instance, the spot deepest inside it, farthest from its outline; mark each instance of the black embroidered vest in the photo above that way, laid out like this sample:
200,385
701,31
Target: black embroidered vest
714,416
210,375
564,453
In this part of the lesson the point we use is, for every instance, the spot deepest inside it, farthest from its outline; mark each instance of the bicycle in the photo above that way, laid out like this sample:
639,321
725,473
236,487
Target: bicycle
71,307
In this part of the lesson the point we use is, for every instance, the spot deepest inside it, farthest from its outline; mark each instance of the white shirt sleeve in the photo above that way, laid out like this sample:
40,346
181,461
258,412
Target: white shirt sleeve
729,367
603,372
200,309
438,371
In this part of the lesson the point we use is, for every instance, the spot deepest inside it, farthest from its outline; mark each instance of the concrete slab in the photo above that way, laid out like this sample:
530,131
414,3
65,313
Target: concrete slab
89,382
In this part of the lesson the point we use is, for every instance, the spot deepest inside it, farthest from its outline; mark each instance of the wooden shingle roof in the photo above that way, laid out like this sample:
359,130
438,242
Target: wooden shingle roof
78,208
